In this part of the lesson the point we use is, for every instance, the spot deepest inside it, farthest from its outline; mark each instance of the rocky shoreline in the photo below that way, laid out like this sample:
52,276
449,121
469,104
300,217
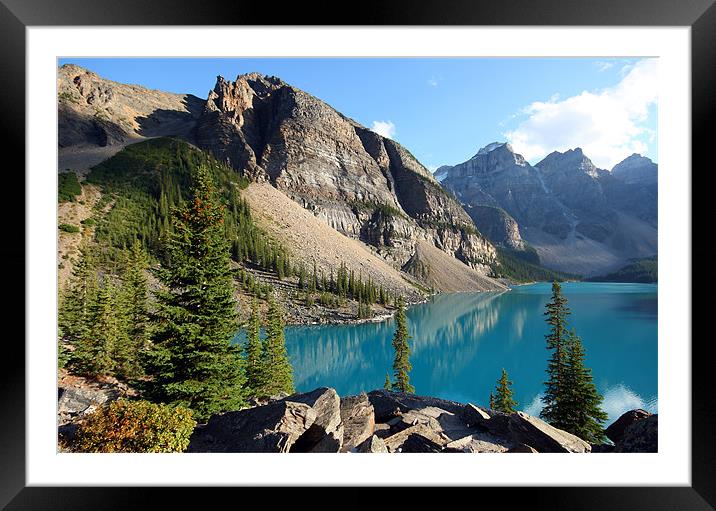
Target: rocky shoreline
383,421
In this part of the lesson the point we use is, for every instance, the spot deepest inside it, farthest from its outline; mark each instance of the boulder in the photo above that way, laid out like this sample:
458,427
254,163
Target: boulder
478,442
522,448
373,444
642,436
473,415
358,421
75,401
615,432
543,437
326,432
395,442
419,443
274,427
388,404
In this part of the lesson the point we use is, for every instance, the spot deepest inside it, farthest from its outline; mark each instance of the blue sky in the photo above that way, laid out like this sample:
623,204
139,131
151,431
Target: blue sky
444,109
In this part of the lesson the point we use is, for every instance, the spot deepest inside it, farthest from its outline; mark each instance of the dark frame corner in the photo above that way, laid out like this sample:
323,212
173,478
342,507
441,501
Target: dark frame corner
16,15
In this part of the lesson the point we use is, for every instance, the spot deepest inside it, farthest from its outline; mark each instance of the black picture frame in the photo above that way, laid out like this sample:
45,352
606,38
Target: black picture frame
16,15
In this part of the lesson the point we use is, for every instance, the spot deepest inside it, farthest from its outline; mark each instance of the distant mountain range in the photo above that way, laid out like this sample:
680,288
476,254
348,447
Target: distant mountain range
579,218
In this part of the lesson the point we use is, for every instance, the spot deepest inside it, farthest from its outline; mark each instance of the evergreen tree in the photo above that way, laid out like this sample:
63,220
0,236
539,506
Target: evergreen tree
584,417
133,306
276,364
492,401
401,363
77,299
193,363
254,351
101,349
557,311
502,401
387,385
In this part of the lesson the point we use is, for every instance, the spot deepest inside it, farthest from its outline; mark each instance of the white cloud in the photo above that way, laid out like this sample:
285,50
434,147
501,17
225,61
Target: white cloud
606,124
384,128
433,82
603,65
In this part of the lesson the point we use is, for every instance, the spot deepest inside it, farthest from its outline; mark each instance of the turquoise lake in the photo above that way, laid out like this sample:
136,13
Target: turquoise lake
461,342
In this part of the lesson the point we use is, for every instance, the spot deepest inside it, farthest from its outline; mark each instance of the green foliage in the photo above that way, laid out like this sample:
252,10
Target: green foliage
387,385
68,187
276,364
582,402
255,377
76,300
571,400
69,228
192,361
639,270
521,267
136,426
557,312
401,362
502,400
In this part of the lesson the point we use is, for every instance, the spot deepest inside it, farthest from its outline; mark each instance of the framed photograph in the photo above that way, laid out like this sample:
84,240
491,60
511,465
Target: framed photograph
257,251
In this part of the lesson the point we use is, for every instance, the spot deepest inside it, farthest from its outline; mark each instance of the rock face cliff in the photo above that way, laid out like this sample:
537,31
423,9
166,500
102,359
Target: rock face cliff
579,218
362,184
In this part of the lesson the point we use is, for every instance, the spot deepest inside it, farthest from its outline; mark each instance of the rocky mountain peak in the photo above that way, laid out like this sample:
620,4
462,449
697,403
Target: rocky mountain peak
572,160
636,169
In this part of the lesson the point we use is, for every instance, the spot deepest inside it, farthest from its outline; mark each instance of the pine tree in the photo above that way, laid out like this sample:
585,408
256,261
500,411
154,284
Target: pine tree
254,351
276,364
401,363
193,363
100,350
387,385
492,401
557,339
503,401
133,309
584,417
77,299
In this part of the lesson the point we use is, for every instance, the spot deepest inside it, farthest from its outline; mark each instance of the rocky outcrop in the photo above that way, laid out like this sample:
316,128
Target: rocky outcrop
97,117
383,421
635,431
579,218
615,432
274,427
358,419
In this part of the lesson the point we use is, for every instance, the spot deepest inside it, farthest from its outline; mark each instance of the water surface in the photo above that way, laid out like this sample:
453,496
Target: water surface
460,343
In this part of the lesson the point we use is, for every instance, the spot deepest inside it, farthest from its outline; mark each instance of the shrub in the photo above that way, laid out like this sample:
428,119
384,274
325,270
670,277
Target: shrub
68,187
69,228
136,426
89,221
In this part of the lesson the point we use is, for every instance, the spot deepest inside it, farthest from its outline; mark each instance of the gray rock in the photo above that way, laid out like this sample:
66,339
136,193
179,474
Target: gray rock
326,432
522,448
395,442
388,404
543,437
373,444
274,427
642,436
479,442
74,402
615,432
358,421
473,415
419,443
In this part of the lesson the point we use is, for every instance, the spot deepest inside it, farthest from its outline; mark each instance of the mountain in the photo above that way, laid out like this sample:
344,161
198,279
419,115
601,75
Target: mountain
580,219
361,185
